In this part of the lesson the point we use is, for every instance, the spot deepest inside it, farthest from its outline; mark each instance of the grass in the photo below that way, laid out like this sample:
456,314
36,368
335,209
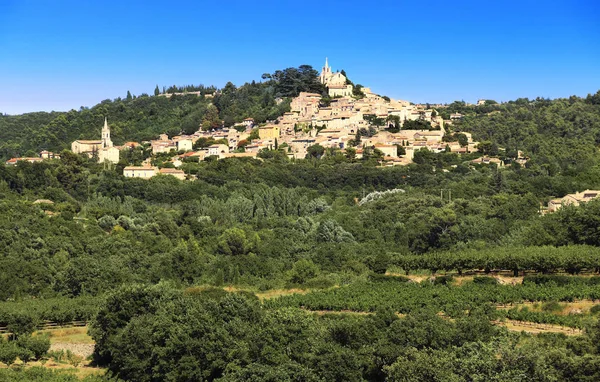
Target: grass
81,372
68,335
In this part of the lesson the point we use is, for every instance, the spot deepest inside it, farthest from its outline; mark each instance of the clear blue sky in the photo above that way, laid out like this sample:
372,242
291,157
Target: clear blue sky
61,54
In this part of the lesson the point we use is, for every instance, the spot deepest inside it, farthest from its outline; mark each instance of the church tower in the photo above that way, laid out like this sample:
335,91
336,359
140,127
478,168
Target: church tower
325,73
106,142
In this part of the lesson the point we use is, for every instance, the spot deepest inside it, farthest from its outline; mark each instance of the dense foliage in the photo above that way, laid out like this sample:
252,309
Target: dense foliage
155,333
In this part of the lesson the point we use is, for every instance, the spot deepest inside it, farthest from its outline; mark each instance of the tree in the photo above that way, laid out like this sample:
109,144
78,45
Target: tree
303,271
315,151
233,242
357,91
393,122
331,231
211,118
400,150
485,147
350,153
156,90
9,351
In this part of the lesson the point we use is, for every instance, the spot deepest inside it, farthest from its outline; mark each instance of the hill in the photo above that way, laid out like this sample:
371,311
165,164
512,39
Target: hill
144,117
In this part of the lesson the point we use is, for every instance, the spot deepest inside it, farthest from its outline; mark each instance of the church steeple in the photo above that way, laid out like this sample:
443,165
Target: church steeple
325,72
106,141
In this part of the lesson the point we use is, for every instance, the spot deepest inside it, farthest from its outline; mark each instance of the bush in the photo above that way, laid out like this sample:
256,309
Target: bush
321,282
443,280
555,279
552,306
595,309
57,356
483,280
74,359
107,222
303,271
25,354
214,293
375,277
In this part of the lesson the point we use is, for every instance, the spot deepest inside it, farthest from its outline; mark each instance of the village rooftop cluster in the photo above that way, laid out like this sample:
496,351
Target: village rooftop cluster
333,126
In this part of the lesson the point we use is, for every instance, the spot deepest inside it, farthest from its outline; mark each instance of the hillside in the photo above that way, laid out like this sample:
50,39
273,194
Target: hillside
559,135
144,117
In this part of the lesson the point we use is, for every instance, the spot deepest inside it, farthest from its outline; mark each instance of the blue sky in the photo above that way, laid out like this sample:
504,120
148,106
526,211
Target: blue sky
62,54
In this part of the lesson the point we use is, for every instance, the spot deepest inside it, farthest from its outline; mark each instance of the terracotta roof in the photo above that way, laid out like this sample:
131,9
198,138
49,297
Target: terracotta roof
15,160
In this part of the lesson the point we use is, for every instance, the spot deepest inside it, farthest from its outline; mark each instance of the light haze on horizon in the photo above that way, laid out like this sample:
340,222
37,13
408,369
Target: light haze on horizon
65,54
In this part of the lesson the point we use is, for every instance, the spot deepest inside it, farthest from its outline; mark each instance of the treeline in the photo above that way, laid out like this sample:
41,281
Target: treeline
545,259
187,88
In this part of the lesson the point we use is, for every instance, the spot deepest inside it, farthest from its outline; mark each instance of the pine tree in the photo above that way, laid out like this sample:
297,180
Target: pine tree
156,90
129,97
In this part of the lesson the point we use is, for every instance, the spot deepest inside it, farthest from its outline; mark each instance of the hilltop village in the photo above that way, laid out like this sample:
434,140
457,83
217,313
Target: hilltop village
355,122
348,119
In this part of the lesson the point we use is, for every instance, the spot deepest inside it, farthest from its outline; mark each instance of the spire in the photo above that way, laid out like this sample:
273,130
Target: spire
106,141
326,63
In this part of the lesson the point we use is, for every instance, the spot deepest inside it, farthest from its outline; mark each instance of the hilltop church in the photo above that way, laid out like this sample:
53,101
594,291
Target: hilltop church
103,148
335,82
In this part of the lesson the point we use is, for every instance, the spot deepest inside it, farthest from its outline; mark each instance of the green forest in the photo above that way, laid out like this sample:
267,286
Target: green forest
396,280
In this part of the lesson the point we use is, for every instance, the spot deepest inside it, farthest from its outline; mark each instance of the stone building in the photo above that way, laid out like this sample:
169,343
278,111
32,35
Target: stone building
103,148
336,82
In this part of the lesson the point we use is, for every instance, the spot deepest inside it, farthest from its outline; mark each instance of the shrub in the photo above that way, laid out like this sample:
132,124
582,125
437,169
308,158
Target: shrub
74,359
552,306
483,280
375,277
107,222
443,280
321,282
595,309
303,271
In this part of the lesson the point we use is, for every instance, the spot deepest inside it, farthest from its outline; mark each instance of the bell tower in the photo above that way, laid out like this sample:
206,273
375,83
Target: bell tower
325,72
106,142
